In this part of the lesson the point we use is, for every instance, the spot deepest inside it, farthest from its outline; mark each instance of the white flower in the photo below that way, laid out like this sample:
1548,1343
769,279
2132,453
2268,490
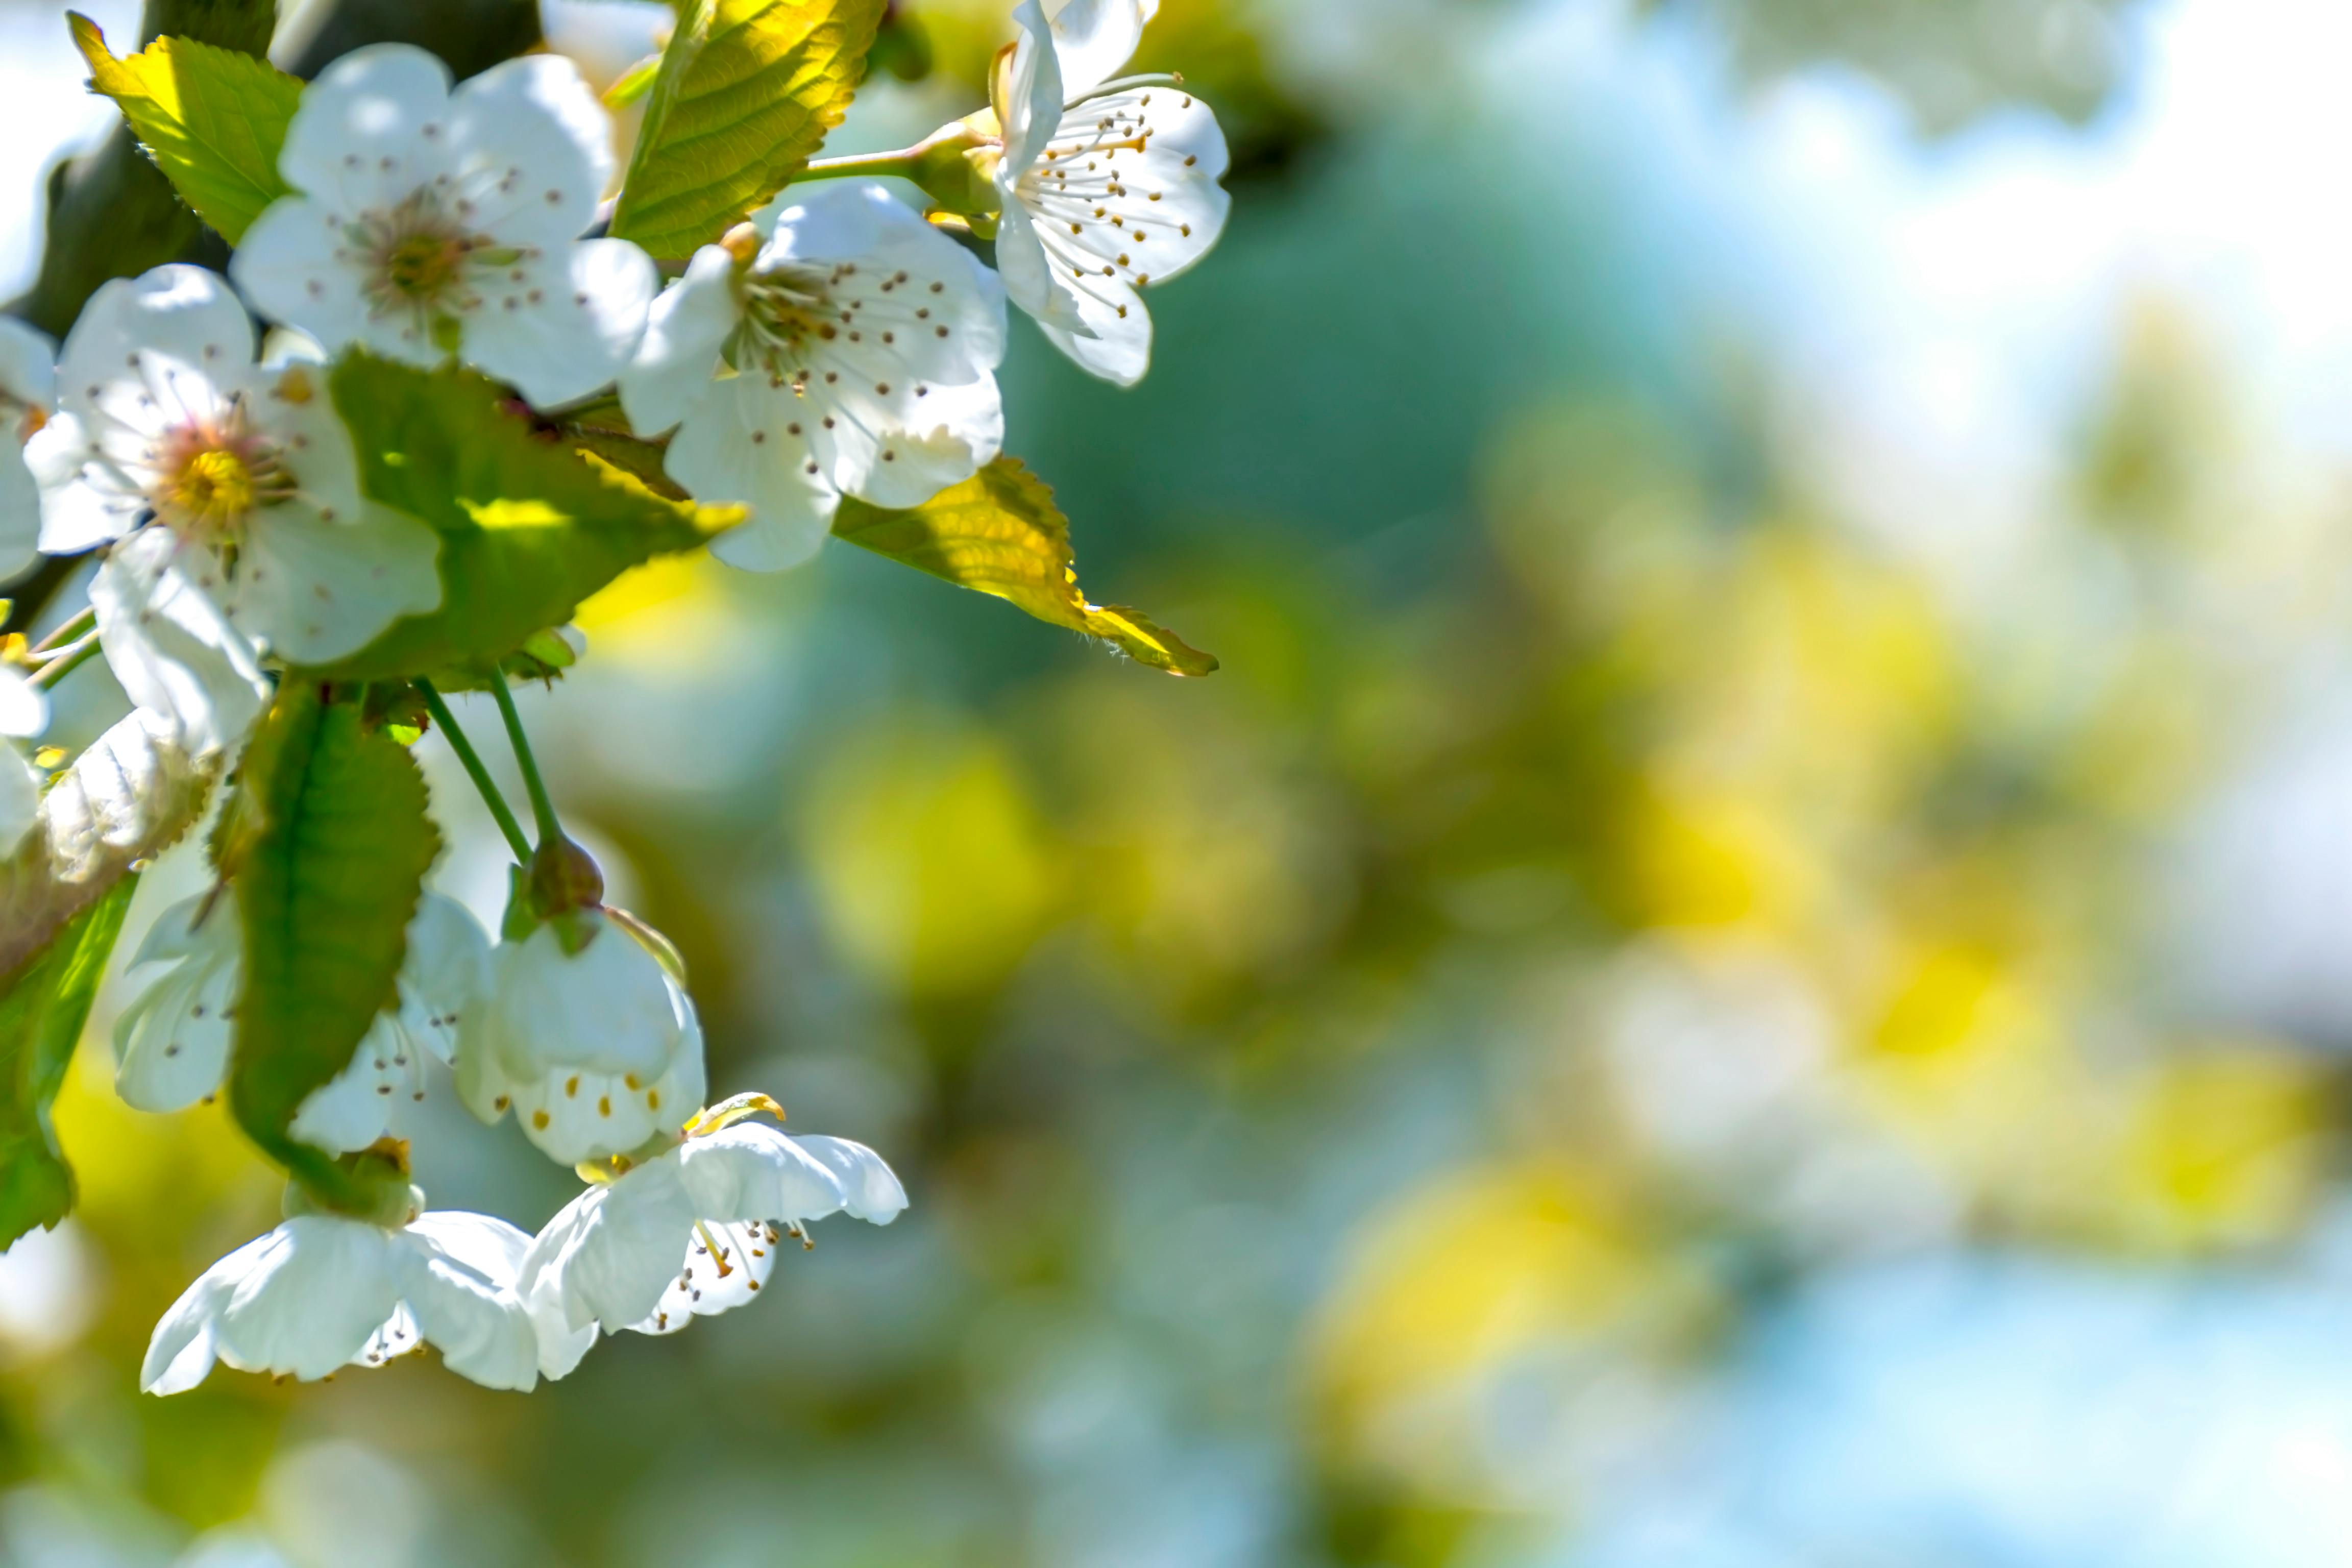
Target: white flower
321,1292
692,1232
237,478
1106,186
28,392
172,648
24,713
594,1051
432,221
172,1043
853,355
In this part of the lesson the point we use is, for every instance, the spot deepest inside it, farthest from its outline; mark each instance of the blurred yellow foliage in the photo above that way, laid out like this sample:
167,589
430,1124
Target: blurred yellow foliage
1446,1288
2223,1146
935,869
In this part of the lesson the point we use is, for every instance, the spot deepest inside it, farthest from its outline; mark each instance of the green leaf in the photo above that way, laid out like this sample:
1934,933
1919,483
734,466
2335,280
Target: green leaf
528,528
337,859
999,532
746,92
41,1016
126,799
211,118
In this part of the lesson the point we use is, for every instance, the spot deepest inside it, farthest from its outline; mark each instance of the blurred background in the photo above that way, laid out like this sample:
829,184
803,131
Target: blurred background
1748,964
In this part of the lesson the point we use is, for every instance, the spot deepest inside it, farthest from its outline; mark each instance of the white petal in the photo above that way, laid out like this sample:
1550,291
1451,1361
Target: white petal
751,1172
446,973
20,797
311,1298
181,1350
715,457
79,510
535,117
874,1191
574,1115
1028,272
173,649
20,510
288,264
609,1254
1153,214
360,1104
1092,38
176,312
314,590
172,1041
28,365
456,1273
1117,348
577,335
24,707
1033,91
359,139
202,926
609,1009
679,356
947,437
710,1281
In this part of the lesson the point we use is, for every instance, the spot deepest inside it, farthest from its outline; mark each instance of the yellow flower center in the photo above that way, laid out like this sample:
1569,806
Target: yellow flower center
422,266
213,488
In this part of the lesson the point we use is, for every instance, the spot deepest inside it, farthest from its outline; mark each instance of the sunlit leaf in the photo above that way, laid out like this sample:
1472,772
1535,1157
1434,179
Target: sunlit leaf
212,118
999,532
40,1019
745,95
128,798
339,846
528,528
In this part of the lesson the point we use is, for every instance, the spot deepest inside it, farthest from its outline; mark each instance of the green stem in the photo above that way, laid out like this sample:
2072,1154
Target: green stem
853,165
476,771
73,626
541,808
69,658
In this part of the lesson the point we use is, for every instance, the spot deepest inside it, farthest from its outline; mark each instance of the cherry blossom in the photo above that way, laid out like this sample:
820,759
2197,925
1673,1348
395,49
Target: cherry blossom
839,346
595,1048
213,474
172,1041
1107,186
431,222
693,1231
29,394
322,1292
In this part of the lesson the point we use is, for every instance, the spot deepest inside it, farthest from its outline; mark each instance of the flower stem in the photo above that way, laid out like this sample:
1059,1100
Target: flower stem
856,166
541,808
476,771
70,657
73,626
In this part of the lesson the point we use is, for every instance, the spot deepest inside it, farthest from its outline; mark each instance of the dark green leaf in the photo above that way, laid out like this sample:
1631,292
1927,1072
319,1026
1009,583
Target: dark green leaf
999,532
528,527
331,879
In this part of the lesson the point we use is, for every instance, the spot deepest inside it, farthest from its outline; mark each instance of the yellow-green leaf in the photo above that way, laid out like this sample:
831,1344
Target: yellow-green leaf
528,527
999,532
41,1016
746,93
212,118
340,846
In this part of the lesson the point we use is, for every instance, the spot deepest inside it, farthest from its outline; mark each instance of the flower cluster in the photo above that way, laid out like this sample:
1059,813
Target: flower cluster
838,344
